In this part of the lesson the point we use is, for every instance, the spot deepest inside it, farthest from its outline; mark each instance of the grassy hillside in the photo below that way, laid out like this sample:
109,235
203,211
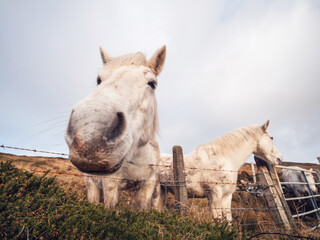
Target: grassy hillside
69,178
36,207
57,167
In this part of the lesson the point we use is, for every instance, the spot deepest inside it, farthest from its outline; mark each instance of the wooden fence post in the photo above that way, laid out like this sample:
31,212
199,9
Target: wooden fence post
181,195
253,173
275,199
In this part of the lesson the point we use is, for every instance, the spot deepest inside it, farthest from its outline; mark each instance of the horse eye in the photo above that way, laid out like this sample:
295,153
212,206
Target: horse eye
98,80
152,84
271,138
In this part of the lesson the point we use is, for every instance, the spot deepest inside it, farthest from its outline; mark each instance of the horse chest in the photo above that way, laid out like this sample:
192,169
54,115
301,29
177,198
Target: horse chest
195,189
135,172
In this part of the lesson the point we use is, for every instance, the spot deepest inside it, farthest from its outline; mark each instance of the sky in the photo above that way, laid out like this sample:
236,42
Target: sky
229,64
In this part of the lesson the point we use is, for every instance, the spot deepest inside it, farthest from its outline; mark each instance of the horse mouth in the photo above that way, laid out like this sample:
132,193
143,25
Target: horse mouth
95,168
256,157
278,161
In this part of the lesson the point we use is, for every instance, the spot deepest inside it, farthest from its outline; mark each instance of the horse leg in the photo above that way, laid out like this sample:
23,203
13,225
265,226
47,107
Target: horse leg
214,201
144,194
226,207
110,192
92,189
158,197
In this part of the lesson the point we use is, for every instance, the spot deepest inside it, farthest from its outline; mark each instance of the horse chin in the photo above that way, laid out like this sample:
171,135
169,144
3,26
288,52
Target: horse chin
96,167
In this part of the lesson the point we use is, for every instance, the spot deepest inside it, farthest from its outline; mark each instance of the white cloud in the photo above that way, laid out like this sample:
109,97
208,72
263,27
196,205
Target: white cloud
229,64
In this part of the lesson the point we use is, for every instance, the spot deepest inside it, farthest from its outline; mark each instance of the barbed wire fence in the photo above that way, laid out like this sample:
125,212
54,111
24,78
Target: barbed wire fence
250,205
33,150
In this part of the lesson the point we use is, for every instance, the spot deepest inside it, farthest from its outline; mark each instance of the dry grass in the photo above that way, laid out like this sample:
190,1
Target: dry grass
243,216
55,166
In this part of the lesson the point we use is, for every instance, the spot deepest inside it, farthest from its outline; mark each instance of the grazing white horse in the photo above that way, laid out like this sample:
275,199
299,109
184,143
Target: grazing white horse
111,133
299,190
212,169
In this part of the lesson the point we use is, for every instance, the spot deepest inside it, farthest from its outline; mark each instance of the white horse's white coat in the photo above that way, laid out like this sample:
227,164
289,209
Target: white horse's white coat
289,175
212,169
112,132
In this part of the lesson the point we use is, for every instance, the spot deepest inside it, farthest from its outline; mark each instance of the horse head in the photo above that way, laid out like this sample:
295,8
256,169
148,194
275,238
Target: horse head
311,181
119,117
265,148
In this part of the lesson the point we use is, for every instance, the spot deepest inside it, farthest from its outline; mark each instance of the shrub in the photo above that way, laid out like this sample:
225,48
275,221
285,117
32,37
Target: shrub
33,207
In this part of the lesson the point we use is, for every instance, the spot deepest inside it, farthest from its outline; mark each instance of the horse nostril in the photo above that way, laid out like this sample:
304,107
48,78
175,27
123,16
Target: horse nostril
116,128
69,130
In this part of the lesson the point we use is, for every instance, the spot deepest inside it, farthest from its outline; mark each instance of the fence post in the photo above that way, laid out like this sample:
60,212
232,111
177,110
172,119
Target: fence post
275,199
181,195
253,173
313,200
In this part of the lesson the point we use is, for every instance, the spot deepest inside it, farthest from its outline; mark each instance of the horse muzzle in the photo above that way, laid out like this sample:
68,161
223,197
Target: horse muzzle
96,167
279,160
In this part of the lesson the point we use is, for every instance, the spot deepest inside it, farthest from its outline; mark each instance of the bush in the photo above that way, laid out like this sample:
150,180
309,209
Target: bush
33,207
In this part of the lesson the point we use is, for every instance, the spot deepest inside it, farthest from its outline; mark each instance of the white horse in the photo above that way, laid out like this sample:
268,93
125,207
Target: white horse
212,169
111,133
290,175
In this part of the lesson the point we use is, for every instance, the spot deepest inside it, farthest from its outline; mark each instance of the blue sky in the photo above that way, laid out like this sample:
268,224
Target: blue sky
229,64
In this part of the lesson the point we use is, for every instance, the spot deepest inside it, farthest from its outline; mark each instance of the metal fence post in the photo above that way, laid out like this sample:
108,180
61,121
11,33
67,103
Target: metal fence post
313,200
181,195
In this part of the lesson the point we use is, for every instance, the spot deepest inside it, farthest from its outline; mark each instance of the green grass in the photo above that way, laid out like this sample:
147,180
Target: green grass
33,207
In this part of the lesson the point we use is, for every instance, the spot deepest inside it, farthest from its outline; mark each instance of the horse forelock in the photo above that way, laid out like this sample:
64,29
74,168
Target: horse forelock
138,59
233,140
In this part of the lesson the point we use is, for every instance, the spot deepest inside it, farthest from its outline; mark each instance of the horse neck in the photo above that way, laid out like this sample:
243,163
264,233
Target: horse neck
227,156
239,155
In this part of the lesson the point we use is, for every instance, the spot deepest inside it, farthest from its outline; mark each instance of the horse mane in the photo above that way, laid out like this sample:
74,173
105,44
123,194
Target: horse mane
233,140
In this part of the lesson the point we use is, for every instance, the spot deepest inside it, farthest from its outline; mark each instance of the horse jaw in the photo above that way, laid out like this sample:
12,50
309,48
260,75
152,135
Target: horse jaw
265,148
311,181
270,158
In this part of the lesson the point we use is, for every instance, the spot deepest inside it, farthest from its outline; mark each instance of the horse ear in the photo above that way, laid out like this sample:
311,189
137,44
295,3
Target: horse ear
106,57
265,126
156,62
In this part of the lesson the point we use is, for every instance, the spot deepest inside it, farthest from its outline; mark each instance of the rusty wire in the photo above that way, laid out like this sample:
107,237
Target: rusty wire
33,150
75,175
151,165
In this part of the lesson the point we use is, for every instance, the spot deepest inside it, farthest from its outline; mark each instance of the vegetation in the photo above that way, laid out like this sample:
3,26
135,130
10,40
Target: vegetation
33,207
